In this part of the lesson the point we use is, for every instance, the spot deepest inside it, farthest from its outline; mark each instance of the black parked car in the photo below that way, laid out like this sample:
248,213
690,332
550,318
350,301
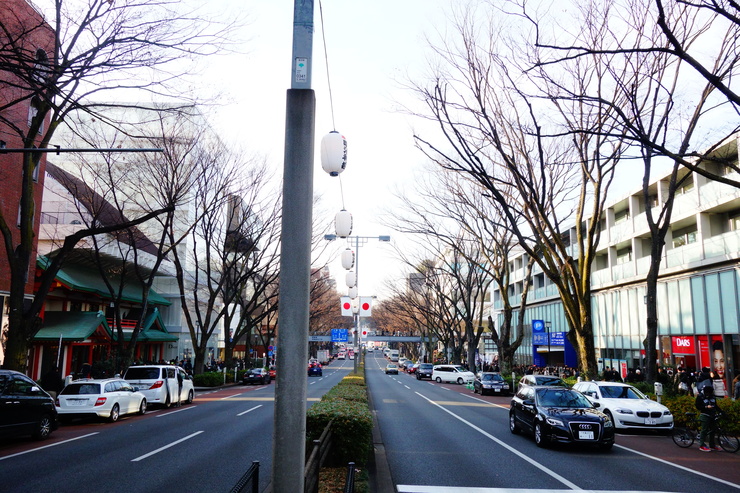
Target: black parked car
490,382
424,370
314,370
256,375
25,408
557,414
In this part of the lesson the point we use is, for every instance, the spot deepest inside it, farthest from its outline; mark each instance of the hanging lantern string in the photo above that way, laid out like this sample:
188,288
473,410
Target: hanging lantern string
341,191
326,59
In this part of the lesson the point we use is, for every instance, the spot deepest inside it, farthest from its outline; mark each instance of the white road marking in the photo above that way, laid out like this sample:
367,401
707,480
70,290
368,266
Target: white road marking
177,411
166,447
410,488
249,410
511,449
47,446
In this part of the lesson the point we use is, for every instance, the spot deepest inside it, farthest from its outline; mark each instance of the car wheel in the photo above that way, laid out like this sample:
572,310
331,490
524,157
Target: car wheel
142,406
460,381
114,414
418,377
609,415
190,398
439,380
513,427
475,390
43,428
606,446
539,437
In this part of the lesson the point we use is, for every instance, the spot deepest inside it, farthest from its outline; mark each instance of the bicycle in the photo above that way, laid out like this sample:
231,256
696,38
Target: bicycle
685,436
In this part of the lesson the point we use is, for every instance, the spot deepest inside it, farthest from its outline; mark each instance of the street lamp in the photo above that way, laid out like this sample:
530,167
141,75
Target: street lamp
358,242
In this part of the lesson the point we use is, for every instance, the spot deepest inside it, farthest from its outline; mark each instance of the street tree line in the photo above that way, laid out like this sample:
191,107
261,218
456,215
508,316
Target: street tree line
538,110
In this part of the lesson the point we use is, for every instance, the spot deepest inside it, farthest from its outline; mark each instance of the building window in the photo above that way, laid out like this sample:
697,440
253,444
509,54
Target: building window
624,256
735,221
686,186
621,216
684,236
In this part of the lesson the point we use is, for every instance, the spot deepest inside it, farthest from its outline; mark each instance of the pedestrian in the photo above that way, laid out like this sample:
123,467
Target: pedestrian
52,382
706,404
736,386
703,379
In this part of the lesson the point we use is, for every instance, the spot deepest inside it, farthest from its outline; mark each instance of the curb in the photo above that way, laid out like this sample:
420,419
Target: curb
379,470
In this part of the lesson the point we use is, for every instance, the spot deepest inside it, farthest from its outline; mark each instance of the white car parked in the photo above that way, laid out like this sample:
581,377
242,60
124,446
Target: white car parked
161,383
452,374
626,406
108,398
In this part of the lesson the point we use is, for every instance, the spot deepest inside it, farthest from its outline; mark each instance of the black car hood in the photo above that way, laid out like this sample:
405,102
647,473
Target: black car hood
581,413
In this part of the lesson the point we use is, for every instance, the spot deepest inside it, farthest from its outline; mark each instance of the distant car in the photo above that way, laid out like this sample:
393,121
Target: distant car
160,384
342,355
626,406
452,374
25,408
530,380
559,415
391,369
257,376
411,368
315,370
490,382
108,398
424,370
273,372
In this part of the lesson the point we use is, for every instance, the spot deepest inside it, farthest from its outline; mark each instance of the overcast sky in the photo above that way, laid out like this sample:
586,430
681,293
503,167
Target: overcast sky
372,48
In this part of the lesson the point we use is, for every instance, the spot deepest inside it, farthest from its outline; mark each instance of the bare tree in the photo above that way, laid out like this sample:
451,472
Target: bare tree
665,110
98,47
534,149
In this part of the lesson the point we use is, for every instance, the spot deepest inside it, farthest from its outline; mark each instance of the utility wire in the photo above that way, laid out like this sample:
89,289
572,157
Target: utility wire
326,60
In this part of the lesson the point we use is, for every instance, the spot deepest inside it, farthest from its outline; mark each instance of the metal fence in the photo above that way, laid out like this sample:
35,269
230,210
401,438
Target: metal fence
250,478
318,455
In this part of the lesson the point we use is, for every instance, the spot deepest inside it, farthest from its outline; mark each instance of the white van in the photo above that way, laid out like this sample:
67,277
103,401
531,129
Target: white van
393,355
160,383
452,374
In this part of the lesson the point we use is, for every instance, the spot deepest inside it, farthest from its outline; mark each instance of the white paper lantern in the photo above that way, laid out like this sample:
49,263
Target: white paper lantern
348,259
351,279
352,292
333,153
343,223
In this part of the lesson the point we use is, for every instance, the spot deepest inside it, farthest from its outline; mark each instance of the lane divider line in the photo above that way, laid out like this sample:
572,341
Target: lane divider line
166,446
173,412
249,410
47,446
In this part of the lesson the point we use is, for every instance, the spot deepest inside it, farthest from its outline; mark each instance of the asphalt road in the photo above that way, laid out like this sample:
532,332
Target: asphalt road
442,437
205,446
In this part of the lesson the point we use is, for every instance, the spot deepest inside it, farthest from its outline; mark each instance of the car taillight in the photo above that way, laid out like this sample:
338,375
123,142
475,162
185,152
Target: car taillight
100,401
157,384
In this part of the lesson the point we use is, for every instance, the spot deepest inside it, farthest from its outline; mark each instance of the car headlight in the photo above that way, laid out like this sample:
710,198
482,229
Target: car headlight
554,422
622,410
505,386
666,413
608,423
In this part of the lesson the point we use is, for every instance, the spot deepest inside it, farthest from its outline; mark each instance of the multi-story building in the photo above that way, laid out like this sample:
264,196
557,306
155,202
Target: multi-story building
698,288
31,39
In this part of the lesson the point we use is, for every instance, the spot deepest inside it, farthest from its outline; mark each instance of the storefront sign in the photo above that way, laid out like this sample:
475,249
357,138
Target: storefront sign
683,345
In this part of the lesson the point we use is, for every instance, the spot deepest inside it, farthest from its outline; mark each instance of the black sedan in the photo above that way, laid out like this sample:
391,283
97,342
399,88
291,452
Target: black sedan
489,382
25,408
256,375
559,415
314,370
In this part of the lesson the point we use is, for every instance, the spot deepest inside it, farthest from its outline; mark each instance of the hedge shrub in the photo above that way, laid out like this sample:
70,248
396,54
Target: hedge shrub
682,404
346,405
209,379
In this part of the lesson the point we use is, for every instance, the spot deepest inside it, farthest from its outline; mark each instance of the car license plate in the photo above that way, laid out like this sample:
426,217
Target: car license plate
497,390
650,421
76,402
585,435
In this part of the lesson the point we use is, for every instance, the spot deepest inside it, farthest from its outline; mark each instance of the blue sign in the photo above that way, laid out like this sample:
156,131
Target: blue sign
539,336
557,339
338,335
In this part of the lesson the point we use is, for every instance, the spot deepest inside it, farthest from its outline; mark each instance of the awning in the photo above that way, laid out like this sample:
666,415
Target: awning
73,327
78,278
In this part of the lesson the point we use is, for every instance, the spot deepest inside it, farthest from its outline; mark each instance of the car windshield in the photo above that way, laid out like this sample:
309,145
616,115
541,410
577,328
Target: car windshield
142,373
460,369
548,380
85,388
390,367
619,392
256,371
562,398
490,377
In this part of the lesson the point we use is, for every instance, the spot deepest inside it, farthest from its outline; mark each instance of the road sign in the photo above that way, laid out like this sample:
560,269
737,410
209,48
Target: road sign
539,336
338,335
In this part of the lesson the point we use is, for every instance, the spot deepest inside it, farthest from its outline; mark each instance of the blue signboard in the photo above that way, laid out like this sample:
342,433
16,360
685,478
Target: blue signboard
539,336
557,339
338,335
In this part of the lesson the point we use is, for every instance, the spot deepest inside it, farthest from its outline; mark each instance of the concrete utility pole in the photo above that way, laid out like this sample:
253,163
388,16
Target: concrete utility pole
289,437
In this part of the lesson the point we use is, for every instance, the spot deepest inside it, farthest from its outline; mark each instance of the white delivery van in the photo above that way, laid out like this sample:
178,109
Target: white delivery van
393,355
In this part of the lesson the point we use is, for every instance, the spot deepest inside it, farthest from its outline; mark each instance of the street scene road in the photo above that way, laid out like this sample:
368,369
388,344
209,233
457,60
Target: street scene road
436,438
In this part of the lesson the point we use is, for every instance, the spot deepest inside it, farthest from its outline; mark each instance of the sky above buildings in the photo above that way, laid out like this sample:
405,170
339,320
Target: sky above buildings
373,49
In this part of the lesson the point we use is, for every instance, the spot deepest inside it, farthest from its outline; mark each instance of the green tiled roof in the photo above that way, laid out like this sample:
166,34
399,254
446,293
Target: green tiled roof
78,278
72,326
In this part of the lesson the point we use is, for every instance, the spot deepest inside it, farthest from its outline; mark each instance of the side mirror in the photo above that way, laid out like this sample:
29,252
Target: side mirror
597,404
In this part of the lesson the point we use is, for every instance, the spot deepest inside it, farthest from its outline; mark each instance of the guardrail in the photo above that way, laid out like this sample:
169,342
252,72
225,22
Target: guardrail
349,483
318,455
251,477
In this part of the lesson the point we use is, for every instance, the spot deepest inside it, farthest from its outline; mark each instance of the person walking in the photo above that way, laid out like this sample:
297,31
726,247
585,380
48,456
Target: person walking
706,404
736,387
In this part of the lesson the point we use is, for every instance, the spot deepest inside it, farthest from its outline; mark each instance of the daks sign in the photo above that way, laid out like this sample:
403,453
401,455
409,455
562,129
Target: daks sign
683,345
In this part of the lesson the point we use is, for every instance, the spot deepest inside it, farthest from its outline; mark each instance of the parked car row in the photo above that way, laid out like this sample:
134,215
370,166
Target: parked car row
27,409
